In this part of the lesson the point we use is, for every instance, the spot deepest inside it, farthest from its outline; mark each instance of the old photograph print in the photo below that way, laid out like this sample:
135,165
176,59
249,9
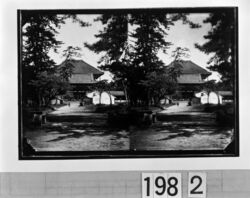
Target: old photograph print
128,83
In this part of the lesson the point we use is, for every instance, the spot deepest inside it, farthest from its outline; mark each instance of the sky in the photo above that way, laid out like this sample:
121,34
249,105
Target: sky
180,35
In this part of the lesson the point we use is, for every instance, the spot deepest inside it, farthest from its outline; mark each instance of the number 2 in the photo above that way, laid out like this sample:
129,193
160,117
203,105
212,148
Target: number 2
197,185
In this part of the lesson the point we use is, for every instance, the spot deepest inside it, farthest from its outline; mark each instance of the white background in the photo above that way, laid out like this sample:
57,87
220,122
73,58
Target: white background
8,92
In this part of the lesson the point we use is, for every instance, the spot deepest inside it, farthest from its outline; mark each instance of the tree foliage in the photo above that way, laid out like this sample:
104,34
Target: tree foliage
113,38
66,69
102,86
48,86
71,52
39,32
131,43
161,84
158,86
39,37
178,55
221,43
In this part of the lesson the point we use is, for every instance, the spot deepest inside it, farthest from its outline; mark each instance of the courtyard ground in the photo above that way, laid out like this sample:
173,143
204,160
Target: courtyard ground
183,128
75,128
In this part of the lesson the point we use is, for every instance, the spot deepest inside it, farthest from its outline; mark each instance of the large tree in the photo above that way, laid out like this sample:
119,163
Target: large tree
131,43
113,43
112,40
39,32
158,86
221,43
39,37
148,36
48,86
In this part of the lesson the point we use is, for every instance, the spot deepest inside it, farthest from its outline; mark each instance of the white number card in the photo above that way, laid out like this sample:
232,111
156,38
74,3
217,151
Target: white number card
174,185
197,185
160,185
147,185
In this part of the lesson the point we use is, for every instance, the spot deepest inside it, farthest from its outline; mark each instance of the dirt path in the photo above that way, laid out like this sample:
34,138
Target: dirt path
182,108
73,109
74,128
183,128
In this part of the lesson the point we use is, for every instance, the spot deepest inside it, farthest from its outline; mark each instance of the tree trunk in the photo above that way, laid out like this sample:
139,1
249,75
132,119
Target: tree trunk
39,99
100,98
110,98
208,97
218,96
125,92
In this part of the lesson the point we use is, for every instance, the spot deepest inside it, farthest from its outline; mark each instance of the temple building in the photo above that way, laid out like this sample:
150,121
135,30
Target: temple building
83,75
191,79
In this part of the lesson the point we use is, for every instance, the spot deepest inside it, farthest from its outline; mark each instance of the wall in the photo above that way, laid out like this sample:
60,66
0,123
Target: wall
105,98
220,184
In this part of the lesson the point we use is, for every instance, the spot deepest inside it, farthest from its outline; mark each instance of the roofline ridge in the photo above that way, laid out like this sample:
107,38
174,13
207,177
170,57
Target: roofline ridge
81,61
91,65
194,64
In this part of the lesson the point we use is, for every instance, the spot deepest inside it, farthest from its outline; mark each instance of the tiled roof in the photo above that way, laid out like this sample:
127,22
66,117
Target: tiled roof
117,93
81,79
81,67
189,67
190,79
225,93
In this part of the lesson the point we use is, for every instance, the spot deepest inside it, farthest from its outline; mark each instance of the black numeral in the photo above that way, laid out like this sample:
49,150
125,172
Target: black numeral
147,179
172,183
194,191
160,185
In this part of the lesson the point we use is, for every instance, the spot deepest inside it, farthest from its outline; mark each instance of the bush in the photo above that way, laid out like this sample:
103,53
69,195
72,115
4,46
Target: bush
225,114
225,117
135,116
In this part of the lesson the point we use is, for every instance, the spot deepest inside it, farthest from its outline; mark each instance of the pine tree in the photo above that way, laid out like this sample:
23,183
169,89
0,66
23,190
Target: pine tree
39,32
221,42
131,54
113,42
38,35
113,38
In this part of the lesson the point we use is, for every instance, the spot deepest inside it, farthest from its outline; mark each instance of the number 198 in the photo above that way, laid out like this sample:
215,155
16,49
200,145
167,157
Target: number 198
159,185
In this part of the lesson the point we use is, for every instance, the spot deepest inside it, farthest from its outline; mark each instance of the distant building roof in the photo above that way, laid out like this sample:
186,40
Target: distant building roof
190,79
191,73
189,67
117,93
225,93
81,67
82,79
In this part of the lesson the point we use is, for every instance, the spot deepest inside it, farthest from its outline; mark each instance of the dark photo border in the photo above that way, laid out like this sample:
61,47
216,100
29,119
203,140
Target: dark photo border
231,151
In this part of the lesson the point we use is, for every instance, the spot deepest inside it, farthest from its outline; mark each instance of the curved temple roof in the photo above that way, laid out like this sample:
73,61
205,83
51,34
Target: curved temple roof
81,67
189,67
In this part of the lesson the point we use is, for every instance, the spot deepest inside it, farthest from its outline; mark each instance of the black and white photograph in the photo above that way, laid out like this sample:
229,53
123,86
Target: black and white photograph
128,83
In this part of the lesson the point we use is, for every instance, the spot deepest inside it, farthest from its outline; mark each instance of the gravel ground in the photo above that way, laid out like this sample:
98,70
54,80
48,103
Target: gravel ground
178,128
